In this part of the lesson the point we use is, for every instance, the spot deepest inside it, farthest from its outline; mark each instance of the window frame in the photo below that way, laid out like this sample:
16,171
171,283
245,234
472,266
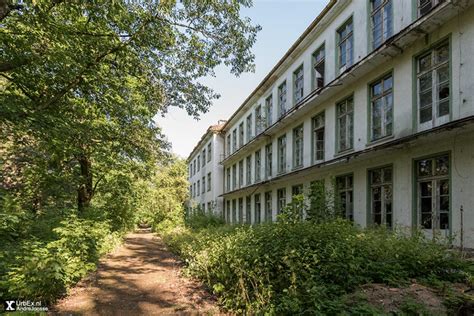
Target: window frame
314,139
241,173
351,130
282,99
248,209
268,206
209,152
370,196
257,208
268,160
281,157
298,147
209,182
249,133
258,165
371,15
341,68
268,111
248,167
315,62
348,212
241,136
258,120
371,99
281,200
297,97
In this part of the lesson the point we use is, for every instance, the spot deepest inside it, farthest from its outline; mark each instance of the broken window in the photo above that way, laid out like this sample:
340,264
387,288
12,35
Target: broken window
433,192
241,134
345,122
249,127
381,108
241,210
268,206
249,169
298,146
319,67
381,196
268,110
381,18
318,137
258,165
248,209
345,196
433,75
281,142
298,84
282,99
281,200
258,120
425,6
345,45
258,208
268,160
241,173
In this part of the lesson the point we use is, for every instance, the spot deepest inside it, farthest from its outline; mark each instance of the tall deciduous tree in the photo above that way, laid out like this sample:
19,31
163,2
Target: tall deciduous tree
82,80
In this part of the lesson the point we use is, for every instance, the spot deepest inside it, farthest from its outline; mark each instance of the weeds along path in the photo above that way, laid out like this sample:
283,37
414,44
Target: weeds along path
141,278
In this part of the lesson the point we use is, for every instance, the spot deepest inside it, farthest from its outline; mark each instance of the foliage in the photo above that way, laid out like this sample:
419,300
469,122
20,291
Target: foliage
301,267
200,219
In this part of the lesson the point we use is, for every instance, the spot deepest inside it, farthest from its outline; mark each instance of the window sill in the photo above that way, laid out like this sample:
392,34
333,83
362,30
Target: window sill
379,140
297,167
343,152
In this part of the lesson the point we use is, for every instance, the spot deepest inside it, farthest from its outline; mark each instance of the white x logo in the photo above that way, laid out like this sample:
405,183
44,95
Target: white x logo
10,305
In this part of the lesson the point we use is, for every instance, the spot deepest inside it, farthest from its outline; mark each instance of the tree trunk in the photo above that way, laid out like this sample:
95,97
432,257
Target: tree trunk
85,190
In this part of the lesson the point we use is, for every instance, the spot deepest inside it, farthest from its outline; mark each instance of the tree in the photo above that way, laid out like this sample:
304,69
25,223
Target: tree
81,81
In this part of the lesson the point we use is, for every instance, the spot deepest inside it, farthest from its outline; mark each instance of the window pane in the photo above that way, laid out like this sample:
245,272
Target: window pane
426,189
425,62
442,165
442,54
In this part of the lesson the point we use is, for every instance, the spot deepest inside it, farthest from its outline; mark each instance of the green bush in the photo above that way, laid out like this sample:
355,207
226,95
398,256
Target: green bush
39,269
297,267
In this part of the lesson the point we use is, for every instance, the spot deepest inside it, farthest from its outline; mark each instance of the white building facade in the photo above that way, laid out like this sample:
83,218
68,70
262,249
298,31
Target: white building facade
205,172
376,96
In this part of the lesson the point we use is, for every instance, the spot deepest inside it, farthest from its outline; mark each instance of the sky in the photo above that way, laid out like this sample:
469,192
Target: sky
282,22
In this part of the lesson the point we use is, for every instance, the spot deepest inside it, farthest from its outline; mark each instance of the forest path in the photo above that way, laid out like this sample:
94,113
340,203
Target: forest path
140,278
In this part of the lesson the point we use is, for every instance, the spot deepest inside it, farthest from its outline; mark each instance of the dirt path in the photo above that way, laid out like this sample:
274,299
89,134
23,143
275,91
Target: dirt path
140,278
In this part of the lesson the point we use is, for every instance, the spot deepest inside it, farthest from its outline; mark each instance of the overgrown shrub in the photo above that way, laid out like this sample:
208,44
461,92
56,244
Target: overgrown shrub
297,267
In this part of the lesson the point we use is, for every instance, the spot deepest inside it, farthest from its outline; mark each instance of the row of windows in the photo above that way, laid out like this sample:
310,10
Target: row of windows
381,17
433,87
432,197
196,188
200,160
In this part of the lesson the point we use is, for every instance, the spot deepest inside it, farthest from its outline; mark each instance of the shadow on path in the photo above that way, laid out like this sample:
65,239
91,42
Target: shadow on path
140,278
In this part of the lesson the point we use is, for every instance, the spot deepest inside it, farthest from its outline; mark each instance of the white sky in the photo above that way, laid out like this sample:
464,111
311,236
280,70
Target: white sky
282,23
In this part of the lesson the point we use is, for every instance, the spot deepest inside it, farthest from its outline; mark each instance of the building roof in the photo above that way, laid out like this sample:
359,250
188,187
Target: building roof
213,129
290,51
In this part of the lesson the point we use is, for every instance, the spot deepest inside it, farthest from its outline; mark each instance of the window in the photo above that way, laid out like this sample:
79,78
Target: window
228,211
209,207
234,211
433,86
296,190
381,196
203,157
198,188
234,177
298,84
241,173
198,163
298,147
345,195
209,152
248,162
190,190
268,110
425,6
381,108
209,181
268,160
318,123
381,21
248,210
317,198
241,210
249,128
281,200
228,145
228,180
194,190
282,99
433,192
203,181
345,122
203,207
281,142
345,43
268,206
258,208
258,120
241,134
319,68
234,140
258,165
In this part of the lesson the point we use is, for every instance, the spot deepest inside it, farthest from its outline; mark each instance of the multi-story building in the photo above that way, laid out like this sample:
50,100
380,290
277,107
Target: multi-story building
205,172
375,97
